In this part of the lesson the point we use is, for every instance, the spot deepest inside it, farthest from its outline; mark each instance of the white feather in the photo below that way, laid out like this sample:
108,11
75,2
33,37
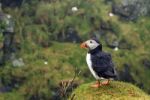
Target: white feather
89,63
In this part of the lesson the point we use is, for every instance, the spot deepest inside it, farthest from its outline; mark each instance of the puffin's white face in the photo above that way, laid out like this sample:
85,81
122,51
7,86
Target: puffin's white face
90,44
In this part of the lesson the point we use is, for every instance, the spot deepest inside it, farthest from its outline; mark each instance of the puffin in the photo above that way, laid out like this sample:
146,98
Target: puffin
99,62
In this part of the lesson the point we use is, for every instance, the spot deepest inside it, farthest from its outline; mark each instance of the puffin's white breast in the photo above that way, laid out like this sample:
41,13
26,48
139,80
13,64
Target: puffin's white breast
89,63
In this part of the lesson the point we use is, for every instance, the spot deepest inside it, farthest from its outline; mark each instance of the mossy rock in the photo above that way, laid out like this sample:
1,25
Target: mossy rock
115,91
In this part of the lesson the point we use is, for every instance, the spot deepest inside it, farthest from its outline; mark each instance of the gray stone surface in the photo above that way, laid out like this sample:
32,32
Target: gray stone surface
131,9
18,62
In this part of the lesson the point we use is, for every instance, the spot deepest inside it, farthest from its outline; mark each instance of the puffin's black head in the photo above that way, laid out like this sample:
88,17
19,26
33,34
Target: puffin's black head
91,44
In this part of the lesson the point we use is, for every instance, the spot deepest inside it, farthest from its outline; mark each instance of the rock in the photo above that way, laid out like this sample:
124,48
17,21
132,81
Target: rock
18,62
16,47
109,26
108,1
131,9
146,63
72,35
10,3
5,89
1,61
125,75
111,40
115,91
125,44
106,26
142,6
128,12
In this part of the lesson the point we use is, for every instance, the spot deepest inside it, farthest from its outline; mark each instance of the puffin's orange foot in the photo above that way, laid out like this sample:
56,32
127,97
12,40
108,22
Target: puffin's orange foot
106,82
96,85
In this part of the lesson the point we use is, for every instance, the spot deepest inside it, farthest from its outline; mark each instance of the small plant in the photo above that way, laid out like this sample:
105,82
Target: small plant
68,85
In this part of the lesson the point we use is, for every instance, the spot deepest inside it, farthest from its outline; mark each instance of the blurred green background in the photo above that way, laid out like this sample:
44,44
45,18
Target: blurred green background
48,34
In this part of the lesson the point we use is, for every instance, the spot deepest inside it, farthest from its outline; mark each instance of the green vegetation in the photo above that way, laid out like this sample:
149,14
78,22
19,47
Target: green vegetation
115,91
37,80
39,22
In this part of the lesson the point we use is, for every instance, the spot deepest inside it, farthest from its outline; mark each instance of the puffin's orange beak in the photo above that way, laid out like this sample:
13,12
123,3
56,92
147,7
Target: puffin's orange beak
83,45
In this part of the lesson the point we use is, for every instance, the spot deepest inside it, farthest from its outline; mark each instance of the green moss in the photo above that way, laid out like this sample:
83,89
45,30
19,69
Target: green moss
53,17
115,91
11,96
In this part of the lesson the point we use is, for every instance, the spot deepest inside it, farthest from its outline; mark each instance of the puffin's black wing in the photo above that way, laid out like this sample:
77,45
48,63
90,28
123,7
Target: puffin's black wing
103,65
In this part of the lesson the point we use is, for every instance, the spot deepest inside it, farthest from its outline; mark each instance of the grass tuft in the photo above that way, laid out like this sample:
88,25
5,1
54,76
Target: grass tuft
115,91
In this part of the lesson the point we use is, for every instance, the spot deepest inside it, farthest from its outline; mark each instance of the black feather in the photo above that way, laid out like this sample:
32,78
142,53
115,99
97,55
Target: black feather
102,63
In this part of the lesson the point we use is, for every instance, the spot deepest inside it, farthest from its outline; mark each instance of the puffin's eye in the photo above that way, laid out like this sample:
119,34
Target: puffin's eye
91,42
